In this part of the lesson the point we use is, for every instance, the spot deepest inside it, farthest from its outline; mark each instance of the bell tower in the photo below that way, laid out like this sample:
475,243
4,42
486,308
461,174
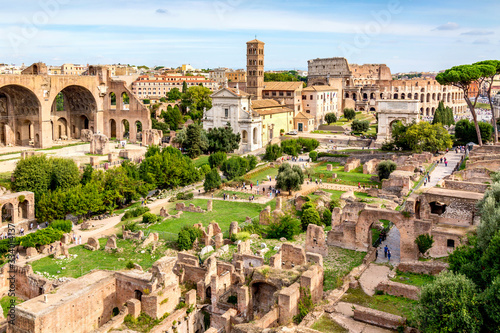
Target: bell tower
255,68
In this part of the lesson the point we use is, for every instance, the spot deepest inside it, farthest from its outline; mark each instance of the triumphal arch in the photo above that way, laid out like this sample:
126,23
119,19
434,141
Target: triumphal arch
36,109
391,111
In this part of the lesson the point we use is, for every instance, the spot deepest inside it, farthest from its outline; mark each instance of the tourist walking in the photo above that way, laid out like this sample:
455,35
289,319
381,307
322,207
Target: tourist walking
388,255
386,249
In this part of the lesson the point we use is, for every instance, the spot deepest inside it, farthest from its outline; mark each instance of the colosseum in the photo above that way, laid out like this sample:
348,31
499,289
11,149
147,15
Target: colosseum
364,85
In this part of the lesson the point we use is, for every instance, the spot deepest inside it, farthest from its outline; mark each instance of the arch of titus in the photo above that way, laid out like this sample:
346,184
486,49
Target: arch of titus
391,111
30,114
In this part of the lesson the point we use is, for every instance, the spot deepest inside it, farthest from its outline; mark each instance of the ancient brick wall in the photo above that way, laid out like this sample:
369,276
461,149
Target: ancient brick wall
399,289
466,186
288,299
423,267
378,318
292,256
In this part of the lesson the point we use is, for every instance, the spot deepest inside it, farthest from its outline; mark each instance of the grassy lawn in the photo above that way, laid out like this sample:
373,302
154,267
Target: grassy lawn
327,325
223,212
339,263
335,194
82,260
348,178
240,195
399,306
5,303
201,160
483,106
5,179
262,176
418,280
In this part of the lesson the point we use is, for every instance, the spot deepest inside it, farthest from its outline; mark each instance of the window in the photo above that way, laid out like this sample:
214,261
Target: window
311,97
450,243
226,113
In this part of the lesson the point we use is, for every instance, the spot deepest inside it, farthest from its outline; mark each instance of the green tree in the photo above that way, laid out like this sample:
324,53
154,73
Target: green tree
65,173
197,99
462,77
360,126
155,124
272,152
149,218
216,159
175,94
326,217
313,156
289,178
349,114
489,209
287,227
449,304
187,236
252,162
310,216
173,117
87,174
489,260
184,87
443,115
330,118
465,131
223,139
424,243
385,168
232,168
196,141
491,305
426,137
489,81
212,180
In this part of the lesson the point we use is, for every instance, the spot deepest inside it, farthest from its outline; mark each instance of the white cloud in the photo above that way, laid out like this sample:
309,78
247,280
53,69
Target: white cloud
478,33
448,26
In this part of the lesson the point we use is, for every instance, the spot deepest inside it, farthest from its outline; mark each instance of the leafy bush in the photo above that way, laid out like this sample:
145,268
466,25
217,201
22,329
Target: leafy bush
334,203
136,212
149,218
184,196
323,154
330,118
313,155
254,228
40,237
349,114
187,236
216,159
307,205
424,242
237,166
131,226
129,265
63,225
272,152
240,236
212,180
385,168
327,217
305,306
310,216
204,169
286,227
359,126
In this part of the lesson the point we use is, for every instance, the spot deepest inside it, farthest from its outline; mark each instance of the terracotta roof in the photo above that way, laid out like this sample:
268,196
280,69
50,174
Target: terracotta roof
302,115
255,41
294,85
267,111
240,93
319,88
265,103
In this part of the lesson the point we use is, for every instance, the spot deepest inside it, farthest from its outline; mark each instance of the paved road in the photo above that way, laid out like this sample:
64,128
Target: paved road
441,171
393,243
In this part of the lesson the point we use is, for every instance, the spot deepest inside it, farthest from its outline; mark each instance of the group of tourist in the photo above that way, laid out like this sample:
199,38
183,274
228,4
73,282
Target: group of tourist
77,240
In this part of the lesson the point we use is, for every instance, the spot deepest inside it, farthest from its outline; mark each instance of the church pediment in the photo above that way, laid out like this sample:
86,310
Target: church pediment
223,93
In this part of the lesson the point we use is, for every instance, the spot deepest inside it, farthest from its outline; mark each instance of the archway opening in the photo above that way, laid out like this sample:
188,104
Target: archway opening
112,99
244,137
208,293
112,128
7,212
138,128
138,295
255,136
125,101
3,138
125,129
62,129
24,209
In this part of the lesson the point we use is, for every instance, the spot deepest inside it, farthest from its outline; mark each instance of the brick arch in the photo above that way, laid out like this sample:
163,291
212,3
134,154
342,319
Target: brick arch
406,227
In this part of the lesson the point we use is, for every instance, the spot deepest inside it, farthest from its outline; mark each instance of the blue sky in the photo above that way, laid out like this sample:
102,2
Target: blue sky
404,34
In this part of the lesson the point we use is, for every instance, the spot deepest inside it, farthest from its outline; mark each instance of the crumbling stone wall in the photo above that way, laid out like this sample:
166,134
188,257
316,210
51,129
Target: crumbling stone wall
315,240
399,289
181,206
466,186
423,267
351,164
378,318
370,167
99,144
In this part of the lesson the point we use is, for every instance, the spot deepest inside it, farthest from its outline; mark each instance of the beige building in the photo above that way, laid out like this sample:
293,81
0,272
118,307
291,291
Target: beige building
158,86
239,76
318,101
277,119
73,69
290,92
218,75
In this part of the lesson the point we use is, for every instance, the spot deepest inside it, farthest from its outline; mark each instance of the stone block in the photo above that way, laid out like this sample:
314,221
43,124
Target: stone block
93,242
209,205
191,297
99,144
329,167
265,216
95,160
134,307
31,252
219,240
111,243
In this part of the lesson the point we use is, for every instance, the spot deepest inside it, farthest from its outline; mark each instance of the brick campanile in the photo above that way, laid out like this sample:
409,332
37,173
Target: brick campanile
255,68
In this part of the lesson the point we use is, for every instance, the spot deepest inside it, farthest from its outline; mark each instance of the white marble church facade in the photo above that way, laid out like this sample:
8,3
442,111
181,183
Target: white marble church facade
233,106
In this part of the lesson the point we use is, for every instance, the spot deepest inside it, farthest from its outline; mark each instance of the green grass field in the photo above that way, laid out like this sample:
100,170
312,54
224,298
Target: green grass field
348,178
339,263
87,260
399,306
327,325
223,212
201,160
6,301
262,176
418,280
